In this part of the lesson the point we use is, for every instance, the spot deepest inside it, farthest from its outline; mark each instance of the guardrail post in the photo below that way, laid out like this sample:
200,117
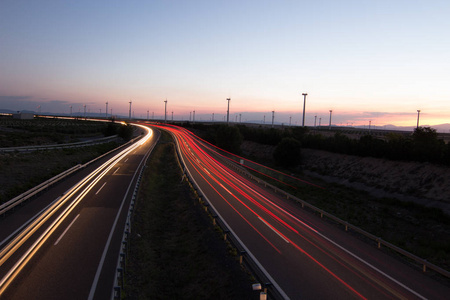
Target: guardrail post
379,243
424,266
117,292
123,260
241,257
226,231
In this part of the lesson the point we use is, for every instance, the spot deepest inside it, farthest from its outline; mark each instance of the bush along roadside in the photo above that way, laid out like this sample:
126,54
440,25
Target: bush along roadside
175,252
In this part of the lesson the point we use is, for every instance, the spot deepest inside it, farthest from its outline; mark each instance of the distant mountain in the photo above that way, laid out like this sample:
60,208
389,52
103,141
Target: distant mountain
439,128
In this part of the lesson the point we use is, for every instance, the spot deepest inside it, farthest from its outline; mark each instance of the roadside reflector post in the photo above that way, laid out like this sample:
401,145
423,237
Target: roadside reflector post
241,257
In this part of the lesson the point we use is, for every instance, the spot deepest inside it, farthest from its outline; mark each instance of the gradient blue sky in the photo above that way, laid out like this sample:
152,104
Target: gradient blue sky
365,60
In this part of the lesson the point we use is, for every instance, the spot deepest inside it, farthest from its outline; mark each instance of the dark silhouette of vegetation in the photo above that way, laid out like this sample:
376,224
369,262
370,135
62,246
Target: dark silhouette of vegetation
111,129
228,138
288,153
422,145
126,132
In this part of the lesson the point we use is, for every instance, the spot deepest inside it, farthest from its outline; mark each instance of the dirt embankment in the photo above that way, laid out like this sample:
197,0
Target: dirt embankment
423,183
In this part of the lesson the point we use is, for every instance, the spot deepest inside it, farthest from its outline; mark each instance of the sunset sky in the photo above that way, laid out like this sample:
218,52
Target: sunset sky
377,61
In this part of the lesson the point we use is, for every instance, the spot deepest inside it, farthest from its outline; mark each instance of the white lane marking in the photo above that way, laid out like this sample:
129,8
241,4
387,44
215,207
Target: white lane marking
225,188
207,171
273,229
116,170
126,160
373,267
100,188
66,229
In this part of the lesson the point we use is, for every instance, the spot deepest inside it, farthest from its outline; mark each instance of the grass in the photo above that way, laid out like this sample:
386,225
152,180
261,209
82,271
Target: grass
175,251
423,231
20,172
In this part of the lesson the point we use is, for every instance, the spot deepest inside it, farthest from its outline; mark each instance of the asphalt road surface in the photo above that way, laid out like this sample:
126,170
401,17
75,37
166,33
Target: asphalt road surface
304,256
65,244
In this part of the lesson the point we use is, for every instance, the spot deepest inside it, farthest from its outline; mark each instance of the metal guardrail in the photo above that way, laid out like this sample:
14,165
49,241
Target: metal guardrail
39,188
30,193
245,256
380,242
59,146
119,278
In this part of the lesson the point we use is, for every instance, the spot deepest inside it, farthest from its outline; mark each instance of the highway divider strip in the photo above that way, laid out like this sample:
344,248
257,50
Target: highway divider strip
245,256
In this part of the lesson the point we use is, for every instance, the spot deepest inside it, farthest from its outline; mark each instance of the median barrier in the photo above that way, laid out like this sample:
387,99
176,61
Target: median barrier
119,277
246,257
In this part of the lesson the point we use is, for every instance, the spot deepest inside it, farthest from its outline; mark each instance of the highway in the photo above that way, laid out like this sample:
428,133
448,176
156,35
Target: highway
65,244
304,256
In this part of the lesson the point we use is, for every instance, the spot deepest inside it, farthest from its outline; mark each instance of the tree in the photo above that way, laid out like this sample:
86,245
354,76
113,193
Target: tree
126,132
229,138
288,152
426,144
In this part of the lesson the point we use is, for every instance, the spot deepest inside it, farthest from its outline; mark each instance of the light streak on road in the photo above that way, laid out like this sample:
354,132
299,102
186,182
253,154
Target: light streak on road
87,183
250,202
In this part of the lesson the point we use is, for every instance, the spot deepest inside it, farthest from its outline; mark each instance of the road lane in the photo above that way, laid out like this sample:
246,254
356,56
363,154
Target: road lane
306,256
67,270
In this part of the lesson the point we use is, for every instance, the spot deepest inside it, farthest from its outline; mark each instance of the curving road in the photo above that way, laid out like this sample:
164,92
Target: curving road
305,257
66,246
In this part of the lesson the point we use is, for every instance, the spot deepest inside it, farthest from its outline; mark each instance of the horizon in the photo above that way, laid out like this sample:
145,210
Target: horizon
237,118
372,63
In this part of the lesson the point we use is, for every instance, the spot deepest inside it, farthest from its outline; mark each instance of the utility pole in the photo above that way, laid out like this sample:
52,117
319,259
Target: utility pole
290,118
304,105
190,116
193,117
240,118
129,114
273,117
320,120
172,115
331,111
315,120
418,115
213,117
71,111
147,114
165,111
264,122
106,111
84,111
228,110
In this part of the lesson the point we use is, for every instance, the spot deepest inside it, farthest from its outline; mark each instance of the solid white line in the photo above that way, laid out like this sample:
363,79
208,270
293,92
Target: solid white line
116,170
373,267
268,225
111,233
100,188
66,229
